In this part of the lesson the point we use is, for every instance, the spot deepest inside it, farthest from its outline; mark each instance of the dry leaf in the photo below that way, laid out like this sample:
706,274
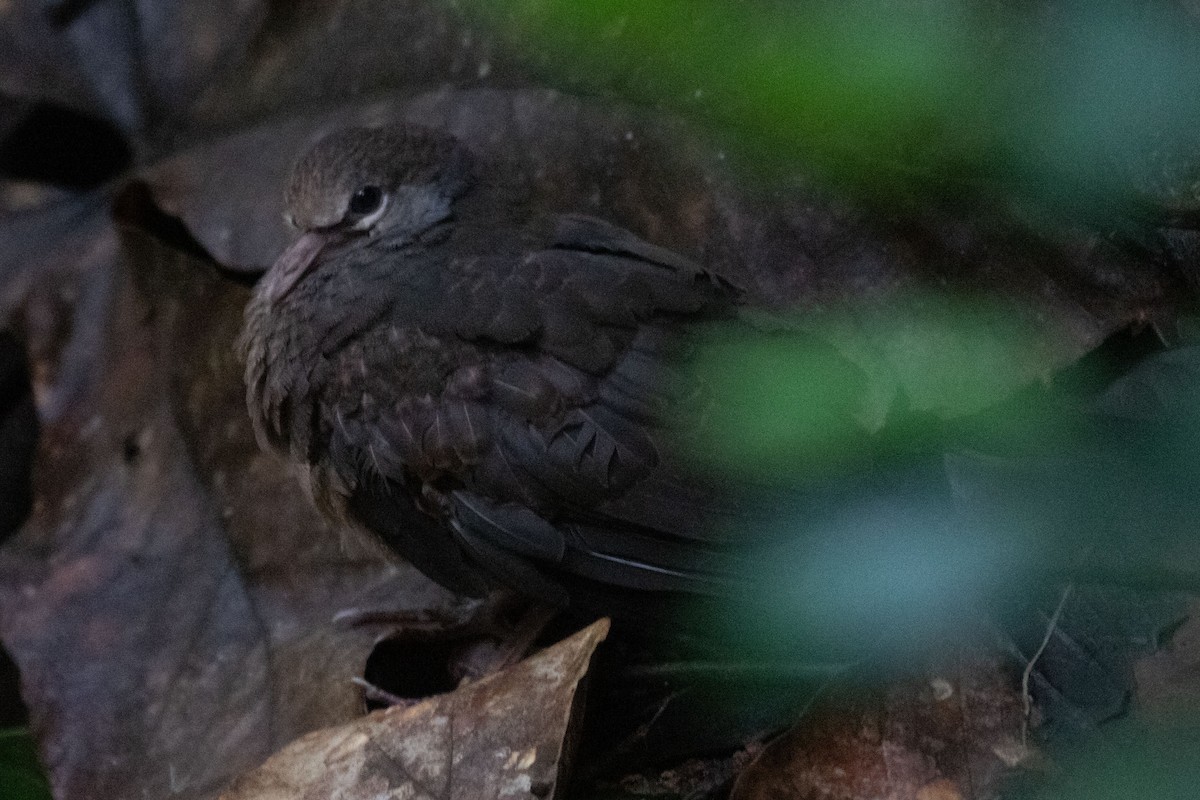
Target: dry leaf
500,738
171,602
927,738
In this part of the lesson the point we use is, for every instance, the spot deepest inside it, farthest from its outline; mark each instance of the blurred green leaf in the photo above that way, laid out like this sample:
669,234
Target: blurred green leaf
1126,760
21,775
951,357
806,402
885,574
780,405
830,78
977,510
1087,107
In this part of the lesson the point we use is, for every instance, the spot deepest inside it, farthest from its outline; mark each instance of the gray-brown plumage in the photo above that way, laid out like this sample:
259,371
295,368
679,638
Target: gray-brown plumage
499,400
491,396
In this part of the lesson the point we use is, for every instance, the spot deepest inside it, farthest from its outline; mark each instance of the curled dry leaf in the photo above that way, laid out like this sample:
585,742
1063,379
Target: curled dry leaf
501,738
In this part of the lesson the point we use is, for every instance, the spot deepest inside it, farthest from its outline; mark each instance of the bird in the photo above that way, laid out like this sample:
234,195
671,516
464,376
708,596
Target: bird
501,397
506,399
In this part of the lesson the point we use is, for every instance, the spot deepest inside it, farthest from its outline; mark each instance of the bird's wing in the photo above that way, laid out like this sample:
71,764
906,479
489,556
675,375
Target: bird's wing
548,427
552,443
579,300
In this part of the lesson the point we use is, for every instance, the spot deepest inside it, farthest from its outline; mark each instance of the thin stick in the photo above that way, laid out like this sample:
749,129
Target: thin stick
378,695
1026,697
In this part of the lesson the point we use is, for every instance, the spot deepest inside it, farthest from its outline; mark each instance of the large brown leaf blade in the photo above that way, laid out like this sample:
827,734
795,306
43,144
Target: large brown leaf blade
500,738
171,603
119,568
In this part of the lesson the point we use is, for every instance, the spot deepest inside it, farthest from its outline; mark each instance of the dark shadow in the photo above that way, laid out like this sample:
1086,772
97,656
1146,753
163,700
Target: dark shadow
62,147
63,13
18,436
13,713
412,669
1115,356
134,206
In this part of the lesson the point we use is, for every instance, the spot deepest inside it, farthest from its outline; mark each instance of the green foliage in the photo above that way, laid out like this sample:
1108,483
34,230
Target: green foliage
1085,106
803,401
21,776
778,405
832,78
1125,761
979,481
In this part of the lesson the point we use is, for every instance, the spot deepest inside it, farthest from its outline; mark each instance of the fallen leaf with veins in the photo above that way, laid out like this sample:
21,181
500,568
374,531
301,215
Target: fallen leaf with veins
500,738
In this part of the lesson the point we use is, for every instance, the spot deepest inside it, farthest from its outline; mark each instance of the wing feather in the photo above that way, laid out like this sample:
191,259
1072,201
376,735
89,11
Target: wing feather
574,387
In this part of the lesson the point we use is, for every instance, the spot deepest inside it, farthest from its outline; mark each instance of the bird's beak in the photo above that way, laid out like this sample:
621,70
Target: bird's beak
293,264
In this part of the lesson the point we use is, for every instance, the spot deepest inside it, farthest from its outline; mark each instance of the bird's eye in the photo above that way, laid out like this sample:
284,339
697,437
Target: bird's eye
366,200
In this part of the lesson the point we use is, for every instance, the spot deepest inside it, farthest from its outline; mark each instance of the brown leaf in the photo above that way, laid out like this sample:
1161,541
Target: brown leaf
500,737
36,60
171,602
137,65
946,735
318,52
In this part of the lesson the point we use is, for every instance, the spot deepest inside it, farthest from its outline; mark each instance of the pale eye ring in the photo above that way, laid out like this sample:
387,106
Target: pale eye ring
366,206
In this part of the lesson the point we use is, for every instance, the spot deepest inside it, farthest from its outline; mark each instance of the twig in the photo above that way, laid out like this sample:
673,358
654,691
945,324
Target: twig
1026,698
374,693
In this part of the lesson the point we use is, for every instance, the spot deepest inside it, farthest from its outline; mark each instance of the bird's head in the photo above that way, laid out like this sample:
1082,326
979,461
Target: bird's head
395,182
